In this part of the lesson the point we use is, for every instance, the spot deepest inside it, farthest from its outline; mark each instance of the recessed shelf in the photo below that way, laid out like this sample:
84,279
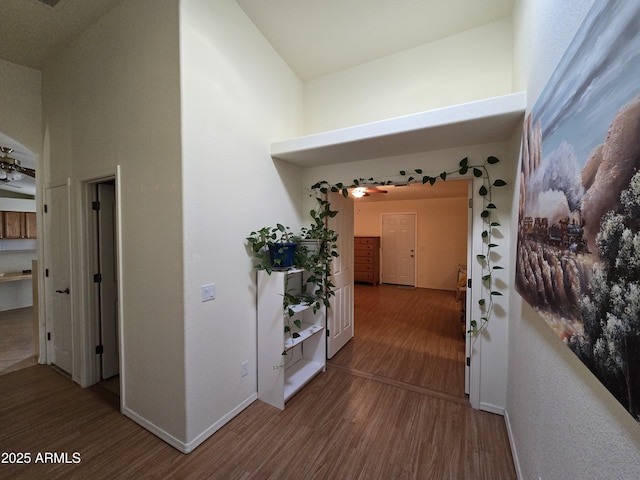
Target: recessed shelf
484,121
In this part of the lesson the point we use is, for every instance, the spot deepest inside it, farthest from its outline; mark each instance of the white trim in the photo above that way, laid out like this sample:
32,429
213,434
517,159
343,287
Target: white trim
188,447
512,443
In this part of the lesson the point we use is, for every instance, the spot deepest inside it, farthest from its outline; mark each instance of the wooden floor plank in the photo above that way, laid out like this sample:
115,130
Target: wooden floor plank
351,422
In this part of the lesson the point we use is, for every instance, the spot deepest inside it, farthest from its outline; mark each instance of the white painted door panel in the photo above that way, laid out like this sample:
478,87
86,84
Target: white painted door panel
340,315
58,278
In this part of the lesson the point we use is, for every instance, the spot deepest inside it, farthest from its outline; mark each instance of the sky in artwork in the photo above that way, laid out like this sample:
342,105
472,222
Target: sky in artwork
598,74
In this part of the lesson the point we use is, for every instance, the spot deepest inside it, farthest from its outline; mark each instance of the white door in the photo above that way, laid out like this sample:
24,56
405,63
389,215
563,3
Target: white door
340,315
398,249
107,286
58,278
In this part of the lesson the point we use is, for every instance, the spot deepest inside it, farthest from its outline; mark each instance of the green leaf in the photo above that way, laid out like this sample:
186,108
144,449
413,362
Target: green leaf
485,234
492,160
403,173
483,191
298,323
495,224
496,293
418,171
464,162
484,214
295,335
486,277
432,181
492,245
443,175
425,179
498,267
463,170
477,172
409,179
345,192
481,257
481,302
356,182
491,205
499,183
287,329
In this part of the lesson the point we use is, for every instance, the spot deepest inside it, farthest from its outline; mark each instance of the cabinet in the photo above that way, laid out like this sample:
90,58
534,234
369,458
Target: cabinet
17,225
286,364
366,259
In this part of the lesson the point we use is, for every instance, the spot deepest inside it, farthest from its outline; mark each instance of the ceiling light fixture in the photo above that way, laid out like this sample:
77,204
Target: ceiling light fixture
358,192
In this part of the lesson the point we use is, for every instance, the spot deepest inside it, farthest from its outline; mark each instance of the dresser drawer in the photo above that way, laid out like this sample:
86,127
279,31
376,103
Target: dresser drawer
364,277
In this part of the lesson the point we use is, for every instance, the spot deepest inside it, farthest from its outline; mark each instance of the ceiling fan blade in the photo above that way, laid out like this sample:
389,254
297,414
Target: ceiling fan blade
27,171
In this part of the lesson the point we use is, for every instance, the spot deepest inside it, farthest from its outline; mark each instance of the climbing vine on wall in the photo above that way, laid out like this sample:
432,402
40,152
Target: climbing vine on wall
490,227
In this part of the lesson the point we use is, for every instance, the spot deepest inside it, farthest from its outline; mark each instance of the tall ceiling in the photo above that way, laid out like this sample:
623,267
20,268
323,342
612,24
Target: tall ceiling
314,37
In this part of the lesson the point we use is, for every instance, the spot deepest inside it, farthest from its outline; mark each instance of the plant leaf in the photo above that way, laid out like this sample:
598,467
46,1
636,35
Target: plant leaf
484,214
463,170
477,172
499,183
483,190
491,160
443,175
464,162
418,171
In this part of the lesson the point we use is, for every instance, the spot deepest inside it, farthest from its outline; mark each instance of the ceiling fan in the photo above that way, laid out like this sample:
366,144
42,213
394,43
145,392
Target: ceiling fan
10,168
360,192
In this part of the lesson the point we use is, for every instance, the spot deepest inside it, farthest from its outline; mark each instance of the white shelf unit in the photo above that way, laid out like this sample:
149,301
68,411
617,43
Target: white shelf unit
286,364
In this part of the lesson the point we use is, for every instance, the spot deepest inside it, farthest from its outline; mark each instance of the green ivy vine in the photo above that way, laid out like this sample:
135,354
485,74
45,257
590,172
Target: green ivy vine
323,212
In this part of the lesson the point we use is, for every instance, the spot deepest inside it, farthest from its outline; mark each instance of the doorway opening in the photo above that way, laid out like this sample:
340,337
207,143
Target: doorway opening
411,327
103,275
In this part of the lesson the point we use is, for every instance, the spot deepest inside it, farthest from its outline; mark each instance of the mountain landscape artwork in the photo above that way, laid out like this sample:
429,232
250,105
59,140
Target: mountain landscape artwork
578,260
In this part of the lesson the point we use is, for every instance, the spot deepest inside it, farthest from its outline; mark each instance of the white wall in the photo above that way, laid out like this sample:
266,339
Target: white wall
441,235
237,96
563,422
113,98
469,66
21,105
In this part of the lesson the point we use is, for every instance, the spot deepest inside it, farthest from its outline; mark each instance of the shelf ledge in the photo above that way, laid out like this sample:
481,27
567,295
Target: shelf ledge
483,121
308,331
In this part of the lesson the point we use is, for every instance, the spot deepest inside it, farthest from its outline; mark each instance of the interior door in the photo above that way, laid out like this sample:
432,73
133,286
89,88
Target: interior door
398,249
340,315
58,278
108,291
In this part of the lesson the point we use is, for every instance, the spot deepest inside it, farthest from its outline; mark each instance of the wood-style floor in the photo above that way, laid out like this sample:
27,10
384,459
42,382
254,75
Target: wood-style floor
16,340
348,423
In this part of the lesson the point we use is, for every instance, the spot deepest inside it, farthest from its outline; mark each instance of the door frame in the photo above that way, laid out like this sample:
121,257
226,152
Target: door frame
89,295
473,345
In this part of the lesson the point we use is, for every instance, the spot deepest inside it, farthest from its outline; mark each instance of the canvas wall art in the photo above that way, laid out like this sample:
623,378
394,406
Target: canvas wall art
578,260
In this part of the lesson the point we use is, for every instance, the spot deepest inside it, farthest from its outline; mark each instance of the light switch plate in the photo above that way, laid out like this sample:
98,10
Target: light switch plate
208,292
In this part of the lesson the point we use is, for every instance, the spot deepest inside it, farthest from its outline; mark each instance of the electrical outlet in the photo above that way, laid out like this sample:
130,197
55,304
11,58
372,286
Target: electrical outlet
244,369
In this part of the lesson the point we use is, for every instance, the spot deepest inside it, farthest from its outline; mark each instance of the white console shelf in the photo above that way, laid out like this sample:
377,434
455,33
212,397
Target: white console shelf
286,364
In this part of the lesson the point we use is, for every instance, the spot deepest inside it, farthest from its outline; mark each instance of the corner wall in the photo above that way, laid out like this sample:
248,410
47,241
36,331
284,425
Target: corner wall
237,97
112,98
562,422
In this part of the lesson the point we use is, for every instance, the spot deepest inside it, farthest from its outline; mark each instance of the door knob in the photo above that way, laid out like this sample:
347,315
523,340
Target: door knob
66,290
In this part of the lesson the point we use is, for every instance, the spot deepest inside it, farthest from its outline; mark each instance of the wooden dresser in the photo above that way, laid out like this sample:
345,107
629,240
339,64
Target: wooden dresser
366,260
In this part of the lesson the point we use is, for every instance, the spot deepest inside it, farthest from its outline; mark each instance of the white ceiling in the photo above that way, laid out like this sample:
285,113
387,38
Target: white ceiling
314,37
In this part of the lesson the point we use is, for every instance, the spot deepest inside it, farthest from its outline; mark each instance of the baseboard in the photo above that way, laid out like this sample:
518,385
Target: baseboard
157,431
514,451
487,407
188,447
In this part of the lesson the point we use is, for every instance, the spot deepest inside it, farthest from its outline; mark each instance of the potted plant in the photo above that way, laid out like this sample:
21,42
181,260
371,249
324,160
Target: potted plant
274,247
